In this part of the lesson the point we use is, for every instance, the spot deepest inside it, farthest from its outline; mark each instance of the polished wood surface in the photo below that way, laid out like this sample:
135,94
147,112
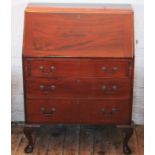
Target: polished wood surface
81,140
79,7
66,67
77,34
84,111
78,88
84,74
66,111
78,66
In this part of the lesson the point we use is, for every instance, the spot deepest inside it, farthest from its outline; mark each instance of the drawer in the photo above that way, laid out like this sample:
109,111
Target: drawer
83,111
105,111
78,68
78,88
55,111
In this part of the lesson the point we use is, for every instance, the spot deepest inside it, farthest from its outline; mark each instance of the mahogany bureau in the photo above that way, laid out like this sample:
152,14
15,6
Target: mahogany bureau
78,64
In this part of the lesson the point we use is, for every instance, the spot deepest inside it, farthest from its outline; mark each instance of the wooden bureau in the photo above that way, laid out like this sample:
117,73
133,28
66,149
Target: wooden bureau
78,64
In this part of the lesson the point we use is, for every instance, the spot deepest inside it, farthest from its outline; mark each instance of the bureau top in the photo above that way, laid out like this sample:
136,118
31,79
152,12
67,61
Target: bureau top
68,7
78,30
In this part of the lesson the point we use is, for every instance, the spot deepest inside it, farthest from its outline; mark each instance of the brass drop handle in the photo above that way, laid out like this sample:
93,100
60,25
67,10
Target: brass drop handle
109,113
114,110
46,113
53,110
42,109
42,87
103,110
52,87
114,87
104,68
104,87
52,68
41,68
115,68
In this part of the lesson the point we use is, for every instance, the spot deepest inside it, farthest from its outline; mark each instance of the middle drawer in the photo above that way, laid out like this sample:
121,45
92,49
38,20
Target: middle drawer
78,88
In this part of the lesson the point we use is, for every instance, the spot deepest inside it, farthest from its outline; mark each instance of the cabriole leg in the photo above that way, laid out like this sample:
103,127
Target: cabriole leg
28,135
128,129
128,134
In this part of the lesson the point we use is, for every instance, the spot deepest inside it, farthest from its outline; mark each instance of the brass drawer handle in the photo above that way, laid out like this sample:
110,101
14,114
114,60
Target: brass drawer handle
109,113
114,110
52,68
103,110
52,87
115,68
114,87
42,87
46,113
104,68
104,87
41,68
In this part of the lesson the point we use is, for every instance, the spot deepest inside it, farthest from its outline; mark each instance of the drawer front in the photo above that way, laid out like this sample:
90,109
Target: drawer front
105,111
109,33
79,88
78,68
55,111
78,111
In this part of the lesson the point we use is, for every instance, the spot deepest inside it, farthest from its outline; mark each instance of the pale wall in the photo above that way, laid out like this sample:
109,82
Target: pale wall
17,31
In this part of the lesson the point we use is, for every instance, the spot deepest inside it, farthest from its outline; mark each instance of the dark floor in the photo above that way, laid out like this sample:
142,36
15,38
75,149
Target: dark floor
77,140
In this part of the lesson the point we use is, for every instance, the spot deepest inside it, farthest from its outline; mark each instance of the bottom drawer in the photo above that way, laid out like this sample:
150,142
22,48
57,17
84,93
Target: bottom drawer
83,111
105,111
51,111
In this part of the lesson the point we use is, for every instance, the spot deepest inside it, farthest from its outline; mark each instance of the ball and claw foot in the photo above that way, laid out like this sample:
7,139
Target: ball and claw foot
126,149
128,134
128,130
28,149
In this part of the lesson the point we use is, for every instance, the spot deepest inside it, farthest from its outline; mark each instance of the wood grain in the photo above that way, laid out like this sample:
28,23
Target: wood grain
64,109
78,88
82,111
86,141
66,67
17,99
56,140
77,34
71,7
71,142
139,133
78,140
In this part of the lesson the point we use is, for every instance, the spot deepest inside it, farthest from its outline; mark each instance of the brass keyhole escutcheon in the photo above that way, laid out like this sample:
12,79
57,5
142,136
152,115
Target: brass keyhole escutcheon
78,17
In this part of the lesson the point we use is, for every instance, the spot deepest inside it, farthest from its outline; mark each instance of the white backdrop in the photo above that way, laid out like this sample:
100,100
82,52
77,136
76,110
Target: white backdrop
17,14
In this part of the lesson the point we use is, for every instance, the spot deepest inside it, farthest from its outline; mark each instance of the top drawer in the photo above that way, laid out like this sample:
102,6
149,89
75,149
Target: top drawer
77,68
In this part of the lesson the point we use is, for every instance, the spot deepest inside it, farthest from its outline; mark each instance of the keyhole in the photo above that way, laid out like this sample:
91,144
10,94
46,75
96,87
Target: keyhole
78,16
